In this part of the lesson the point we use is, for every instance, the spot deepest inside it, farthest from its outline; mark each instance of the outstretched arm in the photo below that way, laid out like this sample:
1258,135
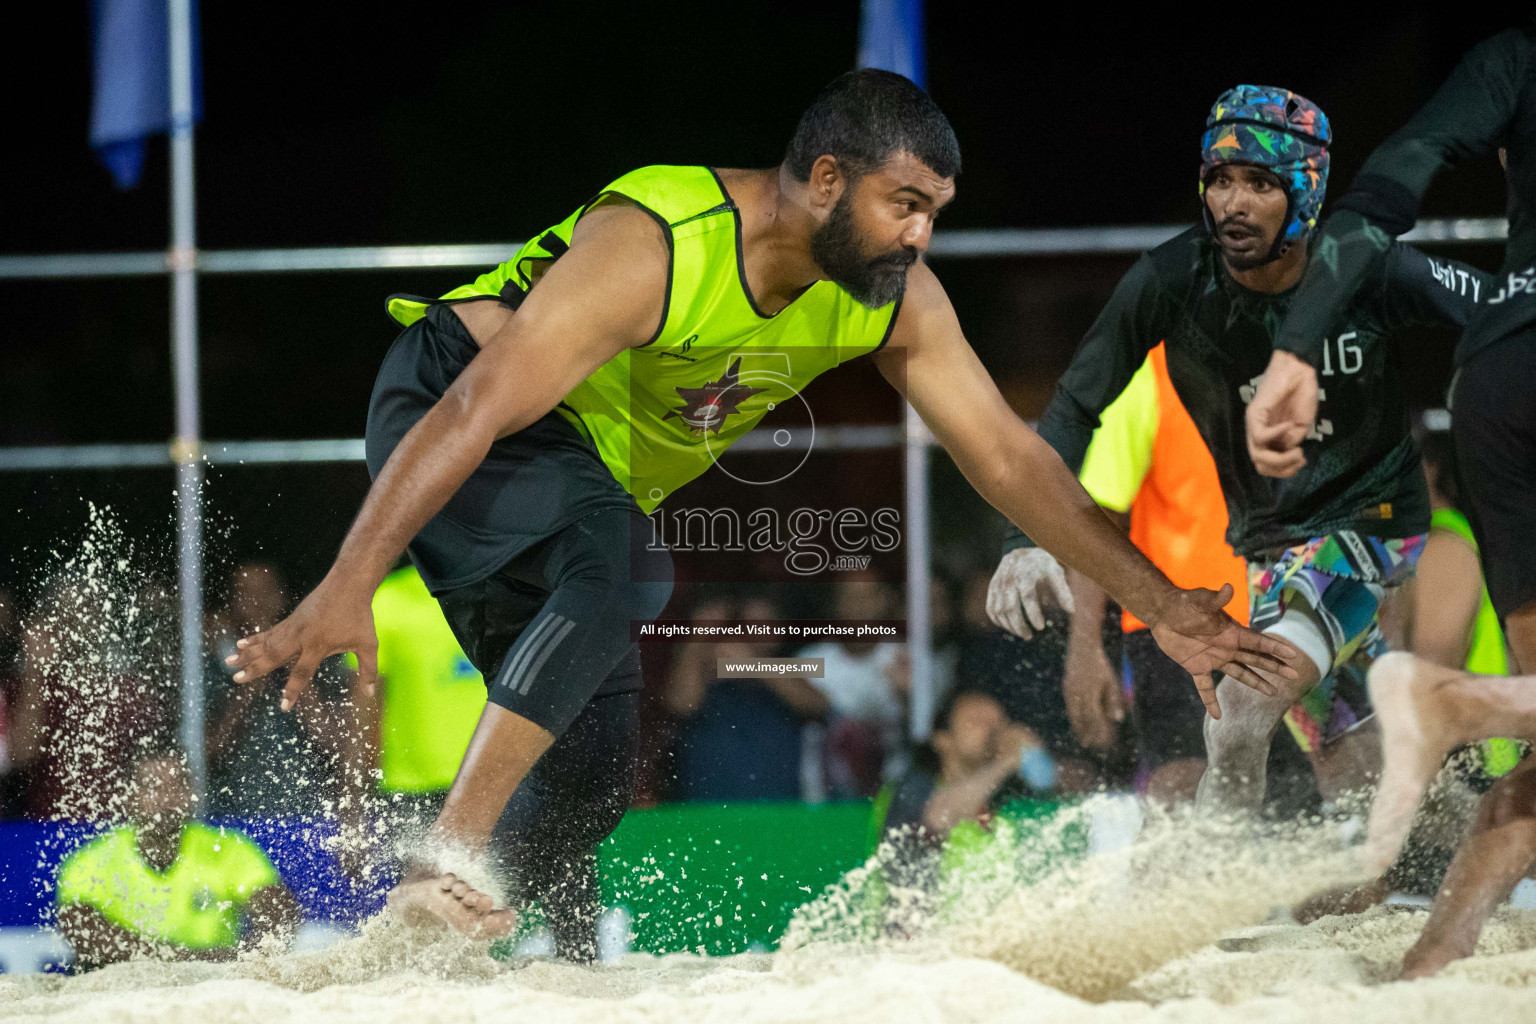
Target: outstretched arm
929,361
602,296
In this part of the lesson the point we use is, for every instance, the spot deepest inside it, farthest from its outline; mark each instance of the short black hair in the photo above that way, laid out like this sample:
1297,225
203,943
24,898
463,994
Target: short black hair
946,712
864,118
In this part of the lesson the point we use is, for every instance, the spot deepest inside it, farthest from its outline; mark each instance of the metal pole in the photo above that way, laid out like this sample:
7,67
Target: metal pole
919,622
186,447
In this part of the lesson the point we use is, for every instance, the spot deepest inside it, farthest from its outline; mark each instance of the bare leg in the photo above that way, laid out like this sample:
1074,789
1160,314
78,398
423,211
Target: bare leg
1495,856
501,752
1425,711
1237,745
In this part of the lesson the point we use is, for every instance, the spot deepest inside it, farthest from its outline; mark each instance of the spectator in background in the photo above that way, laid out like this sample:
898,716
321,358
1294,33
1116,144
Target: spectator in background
971,765
264,762
166,885
943,811
87,703
740,739
866,686
1025,678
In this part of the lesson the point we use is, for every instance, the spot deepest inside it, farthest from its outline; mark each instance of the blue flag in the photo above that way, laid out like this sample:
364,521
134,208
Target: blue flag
891,37
132,101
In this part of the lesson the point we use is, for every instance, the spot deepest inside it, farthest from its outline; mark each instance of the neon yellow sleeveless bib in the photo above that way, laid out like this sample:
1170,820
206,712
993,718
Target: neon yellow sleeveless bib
659,415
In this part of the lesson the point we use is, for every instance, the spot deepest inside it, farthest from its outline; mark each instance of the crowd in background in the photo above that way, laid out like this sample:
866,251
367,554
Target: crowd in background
83,694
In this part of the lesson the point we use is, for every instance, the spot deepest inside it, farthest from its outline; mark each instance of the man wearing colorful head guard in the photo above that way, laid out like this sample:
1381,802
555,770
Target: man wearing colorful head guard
1326,546
1487,104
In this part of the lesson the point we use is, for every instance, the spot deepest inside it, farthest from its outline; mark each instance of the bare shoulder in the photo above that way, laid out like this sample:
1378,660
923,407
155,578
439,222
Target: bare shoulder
926,313
619,227
614,275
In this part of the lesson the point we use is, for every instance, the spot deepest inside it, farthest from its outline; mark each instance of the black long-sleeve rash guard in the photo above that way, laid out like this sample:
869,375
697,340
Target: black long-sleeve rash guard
1362,468
1488,102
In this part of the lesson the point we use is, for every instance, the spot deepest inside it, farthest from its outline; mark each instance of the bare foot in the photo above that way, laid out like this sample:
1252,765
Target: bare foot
447,899
1425,959
1418,723
1341,899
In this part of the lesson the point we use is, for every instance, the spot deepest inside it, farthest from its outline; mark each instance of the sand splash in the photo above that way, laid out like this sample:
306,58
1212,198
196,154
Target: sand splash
1167,929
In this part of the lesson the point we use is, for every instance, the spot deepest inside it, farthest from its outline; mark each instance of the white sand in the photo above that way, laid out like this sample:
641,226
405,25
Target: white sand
1332,971
1168,930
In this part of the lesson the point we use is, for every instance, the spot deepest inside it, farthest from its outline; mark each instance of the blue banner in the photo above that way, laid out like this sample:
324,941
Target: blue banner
891,37
132,67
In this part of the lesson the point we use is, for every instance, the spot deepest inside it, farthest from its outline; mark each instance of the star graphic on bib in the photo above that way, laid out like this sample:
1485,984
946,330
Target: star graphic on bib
708,406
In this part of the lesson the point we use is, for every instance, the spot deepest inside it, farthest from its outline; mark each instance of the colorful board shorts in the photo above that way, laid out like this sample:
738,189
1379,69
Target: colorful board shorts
1342,579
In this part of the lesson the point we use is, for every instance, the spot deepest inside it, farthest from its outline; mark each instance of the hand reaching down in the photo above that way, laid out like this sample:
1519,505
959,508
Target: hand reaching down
1194,631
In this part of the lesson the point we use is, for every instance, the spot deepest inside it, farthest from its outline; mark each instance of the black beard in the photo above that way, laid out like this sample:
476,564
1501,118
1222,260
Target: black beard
872,282
1241,263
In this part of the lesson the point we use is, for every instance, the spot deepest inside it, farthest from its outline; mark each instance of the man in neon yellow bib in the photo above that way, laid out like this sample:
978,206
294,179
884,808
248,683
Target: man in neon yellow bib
165,884
522,426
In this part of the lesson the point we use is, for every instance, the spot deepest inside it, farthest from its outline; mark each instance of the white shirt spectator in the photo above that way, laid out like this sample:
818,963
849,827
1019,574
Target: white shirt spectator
857,686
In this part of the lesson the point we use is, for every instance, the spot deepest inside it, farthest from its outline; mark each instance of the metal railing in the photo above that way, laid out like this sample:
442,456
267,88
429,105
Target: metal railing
981,243
188,454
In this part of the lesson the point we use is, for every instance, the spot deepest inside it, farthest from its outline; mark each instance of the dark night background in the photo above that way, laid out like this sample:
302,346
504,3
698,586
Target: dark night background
345,124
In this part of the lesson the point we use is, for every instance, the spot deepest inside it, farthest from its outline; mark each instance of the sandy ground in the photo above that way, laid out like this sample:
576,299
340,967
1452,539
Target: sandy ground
1170,929
1336,970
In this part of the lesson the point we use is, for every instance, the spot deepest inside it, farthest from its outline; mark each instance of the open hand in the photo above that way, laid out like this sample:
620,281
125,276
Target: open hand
324,624
1281,415
1014,594
1194,631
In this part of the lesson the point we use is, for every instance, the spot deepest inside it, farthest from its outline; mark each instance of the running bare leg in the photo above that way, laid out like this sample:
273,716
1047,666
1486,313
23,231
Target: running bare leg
1495,856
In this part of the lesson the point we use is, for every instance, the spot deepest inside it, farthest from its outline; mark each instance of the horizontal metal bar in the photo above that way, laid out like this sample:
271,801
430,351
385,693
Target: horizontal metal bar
252,453
268,261
84,456
38,458
971,244
87,264
824,439
993,242
845,438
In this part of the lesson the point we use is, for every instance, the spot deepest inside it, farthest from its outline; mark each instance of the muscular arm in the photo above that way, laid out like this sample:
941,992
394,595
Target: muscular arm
1466,118
603,296
1019,473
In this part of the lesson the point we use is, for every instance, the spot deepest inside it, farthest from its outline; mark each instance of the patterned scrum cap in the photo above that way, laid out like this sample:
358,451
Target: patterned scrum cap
1279,130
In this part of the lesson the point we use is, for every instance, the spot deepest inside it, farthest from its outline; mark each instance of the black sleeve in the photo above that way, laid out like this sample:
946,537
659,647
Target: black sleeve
1467,117
1424,291
1110,354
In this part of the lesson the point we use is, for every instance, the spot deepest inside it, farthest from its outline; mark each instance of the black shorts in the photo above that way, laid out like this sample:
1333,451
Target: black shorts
532,484
1493,414
1167,714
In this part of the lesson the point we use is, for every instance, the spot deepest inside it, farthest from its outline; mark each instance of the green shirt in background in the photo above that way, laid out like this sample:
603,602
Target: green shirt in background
432,694
194,904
